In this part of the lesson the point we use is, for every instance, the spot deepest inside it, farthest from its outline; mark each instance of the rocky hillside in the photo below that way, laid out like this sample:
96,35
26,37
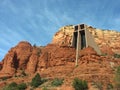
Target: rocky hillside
54,61
31,58
107,40
57,60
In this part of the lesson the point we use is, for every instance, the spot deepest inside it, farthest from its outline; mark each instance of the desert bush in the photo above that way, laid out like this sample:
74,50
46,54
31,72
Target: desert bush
36,81
98,85
4,78
23,73
34,46
117,78
44,88
109,87
104,54
11,86
22,86
80,84
38,52
57,82
14,86
116,55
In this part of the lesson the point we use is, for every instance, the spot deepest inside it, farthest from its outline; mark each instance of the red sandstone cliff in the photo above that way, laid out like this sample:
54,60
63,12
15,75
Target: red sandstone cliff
30,59
58,59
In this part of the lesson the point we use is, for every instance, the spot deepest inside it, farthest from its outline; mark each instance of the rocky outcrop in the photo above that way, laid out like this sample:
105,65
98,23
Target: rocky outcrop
54,55
58,59
107,40
33,61
63,36
27,58
17,58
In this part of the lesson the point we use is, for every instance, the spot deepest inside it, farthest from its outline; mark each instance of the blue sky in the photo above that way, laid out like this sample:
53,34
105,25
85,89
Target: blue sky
36,21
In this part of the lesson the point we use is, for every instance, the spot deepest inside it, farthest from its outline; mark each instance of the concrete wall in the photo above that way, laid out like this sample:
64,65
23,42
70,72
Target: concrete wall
90,42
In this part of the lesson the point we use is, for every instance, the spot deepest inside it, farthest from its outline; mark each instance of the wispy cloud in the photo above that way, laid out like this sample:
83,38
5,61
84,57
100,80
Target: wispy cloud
37,20
2,53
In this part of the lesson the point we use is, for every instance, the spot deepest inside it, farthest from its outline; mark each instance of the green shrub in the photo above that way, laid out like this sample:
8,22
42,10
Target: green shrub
4,78
80,84
117,78
14,86
109,87
22,86
34,46
38,52
23,73
104,54
116,55
44,88
11,86
99,85
36,81
57,82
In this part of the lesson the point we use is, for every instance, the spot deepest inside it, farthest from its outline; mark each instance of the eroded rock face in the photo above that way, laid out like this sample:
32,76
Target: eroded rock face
23,51
59,61
54,55
104,38
33,61
1,65
63,36
17,58
9,63
24,57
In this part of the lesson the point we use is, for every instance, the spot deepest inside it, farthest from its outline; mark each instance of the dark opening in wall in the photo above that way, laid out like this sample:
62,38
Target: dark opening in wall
82,26
83,39
76,28
75,39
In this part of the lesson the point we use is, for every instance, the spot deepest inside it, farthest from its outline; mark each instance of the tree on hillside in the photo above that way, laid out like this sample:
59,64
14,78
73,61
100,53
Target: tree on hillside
79,84
36,81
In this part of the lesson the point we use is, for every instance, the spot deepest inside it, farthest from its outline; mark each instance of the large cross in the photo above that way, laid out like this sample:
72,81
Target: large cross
82,44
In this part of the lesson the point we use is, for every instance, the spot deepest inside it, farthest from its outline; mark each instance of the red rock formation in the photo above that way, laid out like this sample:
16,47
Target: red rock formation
87,51
17,58
58,60
104,38
1,65
33,61
107,50
23,51
54,55
9,63
30,59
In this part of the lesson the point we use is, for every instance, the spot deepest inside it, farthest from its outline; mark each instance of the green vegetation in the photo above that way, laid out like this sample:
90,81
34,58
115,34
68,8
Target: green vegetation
117,78
104,54
109,87
36,81
22,86
14,86
98,85
80,84
38,52
116,55
34,46
57,82
4,78
44,88
23,73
